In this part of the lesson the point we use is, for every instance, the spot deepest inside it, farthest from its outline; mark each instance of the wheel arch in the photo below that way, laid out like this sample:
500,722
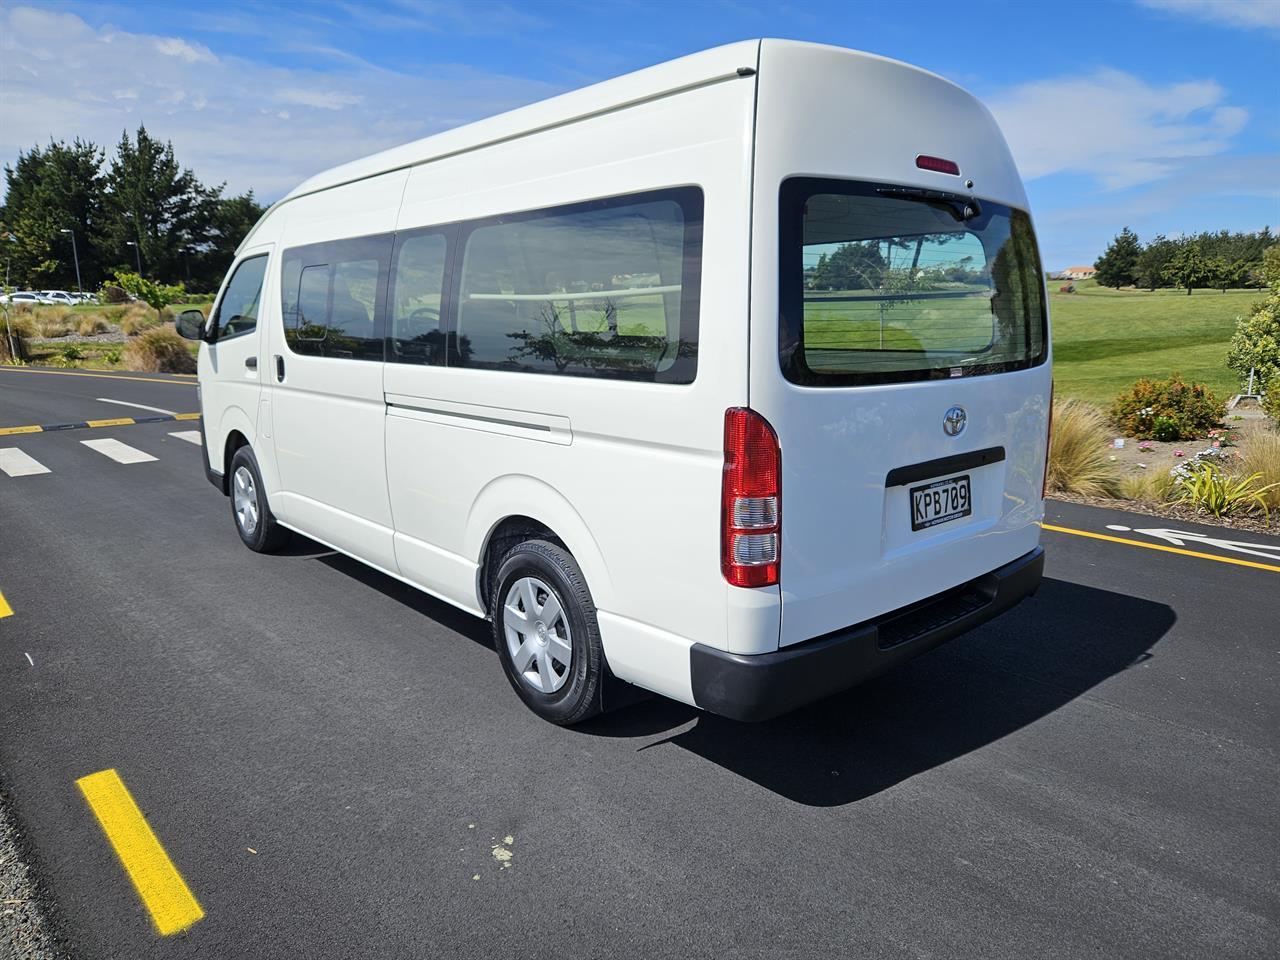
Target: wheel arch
514,508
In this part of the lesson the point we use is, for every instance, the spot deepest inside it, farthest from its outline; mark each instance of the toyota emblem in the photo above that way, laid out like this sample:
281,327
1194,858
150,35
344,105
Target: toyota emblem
953,422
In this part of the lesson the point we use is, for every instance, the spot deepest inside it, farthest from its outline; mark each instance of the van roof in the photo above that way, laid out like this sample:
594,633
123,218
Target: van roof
698,69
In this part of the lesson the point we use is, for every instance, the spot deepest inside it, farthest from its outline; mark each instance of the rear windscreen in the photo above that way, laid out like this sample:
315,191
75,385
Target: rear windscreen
885,284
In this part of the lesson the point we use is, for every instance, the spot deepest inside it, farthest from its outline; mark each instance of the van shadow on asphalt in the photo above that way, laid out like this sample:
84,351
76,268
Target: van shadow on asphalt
980,687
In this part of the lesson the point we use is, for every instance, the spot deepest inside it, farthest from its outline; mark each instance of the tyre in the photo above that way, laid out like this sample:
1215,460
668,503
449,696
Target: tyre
545,631
253,518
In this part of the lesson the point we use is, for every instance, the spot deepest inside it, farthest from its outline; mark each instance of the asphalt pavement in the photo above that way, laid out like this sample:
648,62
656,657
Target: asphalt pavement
337,767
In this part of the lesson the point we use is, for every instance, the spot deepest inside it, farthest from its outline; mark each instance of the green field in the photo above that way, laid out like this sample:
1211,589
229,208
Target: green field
1105,339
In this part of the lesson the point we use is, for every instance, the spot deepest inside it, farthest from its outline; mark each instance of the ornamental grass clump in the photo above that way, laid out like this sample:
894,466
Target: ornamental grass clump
1261,456
1078,458
160,350
1206,486
1167,409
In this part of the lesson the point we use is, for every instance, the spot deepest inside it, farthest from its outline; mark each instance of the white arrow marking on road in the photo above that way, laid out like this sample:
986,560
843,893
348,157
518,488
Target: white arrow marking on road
140,406
18,464
1180,538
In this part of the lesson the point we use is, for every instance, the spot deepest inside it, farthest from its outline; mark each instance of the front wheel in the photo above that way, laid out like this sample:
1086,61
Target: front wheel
544,626
254,520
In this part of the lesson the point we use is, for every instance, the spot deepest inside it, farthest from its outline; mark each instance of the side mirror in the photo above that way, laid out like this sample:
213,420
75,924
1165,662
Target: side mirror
190,325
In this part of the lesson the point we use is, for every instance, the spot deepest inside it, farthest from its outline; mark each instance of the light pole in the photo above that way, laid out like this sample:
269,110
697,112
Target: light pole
13,350
75,253
137,255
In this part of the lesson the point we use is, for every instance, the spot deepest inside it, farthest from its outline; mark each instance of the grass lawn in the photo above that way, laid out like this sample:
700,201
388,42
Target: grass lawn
1105,339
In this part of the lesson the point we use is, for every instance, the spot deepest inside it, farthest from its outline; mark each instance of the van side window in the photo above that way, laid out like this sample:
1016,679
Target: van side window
601,289
332,296
238,311
417,333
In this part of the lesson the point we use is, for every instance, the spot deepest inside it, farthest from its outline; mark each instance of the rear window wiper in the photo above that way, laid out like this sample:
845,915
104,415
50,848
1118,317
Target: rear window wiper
962,208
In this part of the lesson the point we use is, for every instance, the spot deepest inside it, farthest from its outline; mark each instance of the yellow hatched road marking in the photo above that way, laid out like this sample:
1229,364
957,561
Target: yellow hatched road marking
1162,548
5,609
117,422
9,431
162,889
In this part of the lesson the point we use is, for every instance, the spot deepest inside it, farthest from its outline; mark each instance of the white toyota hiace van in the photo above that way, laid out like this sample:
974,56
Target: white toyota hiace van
728,378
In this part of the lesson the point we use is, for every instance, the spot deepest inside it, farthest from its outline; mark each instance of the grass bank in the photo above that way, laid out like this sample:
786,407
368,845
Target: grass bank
1105,339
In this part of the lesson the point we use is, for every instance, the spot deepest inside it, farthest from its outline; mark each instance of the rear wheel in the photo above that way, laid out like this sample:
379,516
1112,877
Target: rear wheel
254,520
545,630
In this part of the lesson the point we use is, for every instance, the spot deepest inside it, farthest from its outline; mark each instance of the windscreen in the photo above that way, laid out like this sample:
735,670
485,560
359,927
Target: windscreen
886,284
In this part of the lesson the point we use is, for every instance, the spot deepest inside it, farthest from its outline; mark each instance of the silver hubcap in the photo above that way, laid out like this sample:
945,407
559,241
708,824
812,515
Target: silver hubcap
245,495
537,635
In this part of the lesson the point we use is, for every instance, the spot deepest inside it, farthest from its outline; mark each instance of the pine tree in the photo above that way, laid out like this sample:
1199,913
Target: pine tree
1118,266
1188,268
156,203
48,191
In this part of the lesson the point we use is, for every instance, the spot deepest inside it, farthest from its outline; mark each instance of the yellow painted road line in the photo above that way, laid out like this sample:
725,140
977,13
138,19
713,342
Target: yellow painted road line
1162,548
102,376
117,422
187,416
162,889
9,431
5,609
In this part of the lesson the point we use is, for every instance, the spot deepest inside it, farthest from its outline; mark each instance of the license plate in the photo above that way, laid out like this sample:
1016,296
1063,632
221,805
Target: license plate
940,501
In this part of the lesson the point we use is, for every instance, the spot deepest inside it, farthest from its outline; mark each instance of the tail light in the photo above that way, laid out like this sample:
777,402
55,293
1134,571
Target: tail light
750,500
1048,439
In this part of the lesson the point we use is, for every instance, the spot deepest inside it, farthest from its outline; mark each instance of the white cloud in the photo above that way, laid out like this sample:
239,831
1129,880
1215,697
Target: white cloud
320,99
190,52
253,124
1113,126
1231,13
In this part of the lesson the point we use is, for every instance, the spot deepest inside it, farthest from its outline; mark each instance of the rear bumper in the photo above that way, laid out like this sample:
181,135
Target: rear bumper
765,685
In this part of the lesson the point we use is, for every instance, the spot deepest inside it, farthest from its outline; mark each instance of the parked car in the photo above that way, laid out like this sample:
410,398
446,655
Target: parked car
59,298
86,297
24,296
599,370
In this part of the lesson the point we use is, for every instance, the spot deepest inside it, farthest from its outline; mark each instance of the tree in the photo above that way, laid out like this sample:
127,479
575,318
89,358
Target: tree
852,266
1153,260
1270,268
1256,343
48,191
1187,268
155,295
155,202
1118,265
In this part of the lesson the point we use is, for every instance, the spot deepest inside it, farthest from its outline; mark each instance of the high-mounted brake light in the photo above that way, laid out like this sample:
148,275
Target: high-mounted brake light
750,500
937,165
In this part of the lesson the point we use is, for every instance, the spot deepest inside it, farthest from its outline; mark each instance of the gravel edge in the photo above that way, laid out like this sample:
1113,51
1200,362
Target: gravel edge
24,932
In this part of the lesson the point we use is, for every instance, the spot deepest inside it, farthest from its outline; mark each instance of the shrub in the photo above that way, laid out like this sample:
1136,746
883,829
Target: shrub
160,350
1185,410
156,295
91,324
1271,405
1078,458
113,355
21,327
1261,455
1256,343
110,293
1207,487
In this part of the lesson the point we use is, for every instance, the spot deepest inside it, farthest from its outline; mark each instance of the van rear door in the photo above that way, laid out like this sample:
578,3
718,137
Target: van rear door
910,395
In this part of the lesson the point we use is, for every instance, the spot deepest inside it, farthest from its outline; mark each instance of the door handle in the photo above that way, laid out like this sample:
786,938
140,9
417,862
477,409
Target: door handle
279,368
251,363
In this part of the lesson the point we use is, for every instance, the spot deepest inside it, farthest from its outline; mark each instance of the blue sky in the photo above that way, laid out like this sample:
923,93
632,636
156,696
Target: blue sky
1160,114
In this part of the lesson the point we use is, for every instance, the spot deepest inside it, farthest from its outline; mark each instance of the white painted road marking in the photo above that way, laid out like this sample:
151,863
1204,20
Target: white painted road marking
1181,538
18,464
117,451
191,436
140,406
